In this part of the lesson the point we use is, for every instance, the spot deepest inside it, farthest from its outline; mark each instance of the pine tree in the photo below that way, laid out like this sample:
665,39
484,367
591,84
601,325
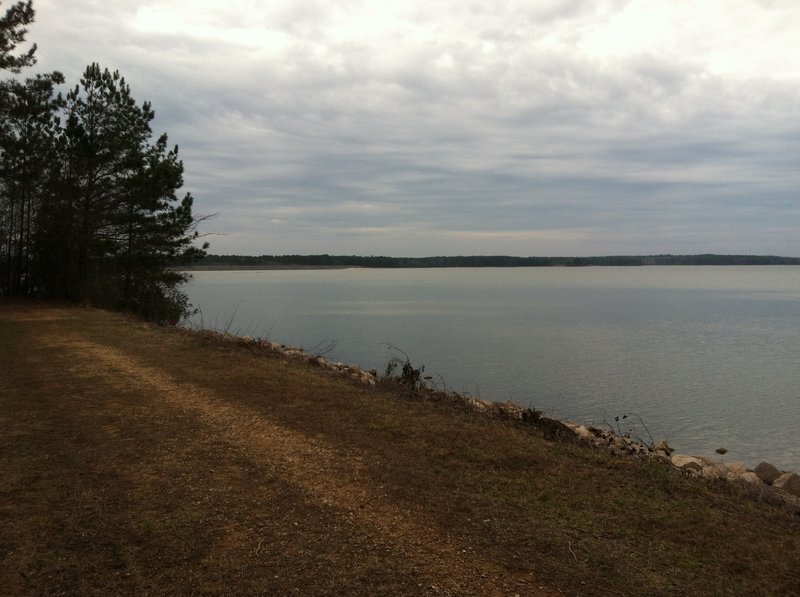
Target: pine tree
12,33
89,208
27,153
125,225
26,130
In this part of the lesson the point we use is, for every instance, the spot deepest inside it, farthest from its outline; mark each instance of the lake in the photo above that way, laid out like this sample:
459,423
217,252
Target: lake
707,357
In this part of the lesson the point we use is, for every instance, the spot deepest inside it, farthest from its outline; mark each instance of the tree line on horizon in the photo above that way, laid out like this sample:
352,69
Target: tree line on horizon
89,209
486,261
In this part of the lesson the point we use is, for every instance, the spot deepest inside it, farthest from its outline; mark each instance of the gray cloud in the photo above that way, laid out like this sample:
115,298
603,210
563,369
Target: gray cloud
561,127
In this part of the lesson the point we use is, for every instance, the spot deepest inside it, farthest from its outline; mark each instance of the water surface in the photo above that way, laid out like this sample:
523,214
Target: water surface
706,356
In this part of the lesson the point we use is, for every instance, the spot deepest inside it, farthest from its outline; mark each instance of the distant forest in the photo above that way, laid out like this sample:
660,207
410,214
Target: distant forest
485,261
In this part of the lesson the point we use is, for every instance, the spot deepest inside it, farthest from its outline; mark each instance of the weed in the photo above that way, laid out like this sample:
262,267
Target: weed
408,374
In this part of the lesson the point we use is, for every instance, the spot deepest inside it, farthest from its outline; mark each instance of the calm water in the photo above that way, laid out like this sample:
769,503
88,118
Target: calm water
706,356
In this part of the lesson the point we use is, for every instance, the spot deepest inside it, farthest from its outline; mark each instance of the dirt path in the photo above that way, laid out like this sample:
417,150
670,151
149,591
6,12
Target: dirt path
333,506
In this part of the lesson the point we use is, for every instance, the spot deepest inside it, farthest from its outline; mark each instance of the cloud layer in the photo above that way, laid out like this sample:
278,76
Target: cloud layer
420,128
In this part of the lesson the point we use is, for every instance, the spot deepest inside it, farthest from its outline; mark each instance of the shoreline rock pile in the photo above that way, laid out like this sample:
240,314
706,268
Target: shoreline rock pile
369,377
621,444
765,474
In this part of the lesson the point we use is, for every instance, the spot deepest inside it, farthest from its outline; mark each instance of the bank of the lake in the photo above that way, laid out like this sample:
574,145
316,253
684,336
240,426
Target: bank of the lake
139,459
705,357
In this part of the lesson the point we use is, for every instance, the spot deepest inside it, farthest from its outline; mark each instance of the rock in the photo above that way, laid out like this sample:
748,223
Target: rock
687,463
367,378
621,444
507,409
595,431
767,473
789,483
750,477
583,432
476,404
721,450
737,468
713,469
661,446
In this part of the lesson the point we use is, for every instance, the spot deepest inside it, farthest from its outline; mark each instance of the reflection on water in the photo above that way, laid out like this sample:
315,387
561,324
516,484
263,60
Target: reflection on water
707,356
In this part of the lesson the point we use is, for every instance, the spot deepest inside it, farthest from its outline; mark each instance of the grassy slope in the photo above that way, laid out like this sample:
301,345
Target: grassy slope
560,516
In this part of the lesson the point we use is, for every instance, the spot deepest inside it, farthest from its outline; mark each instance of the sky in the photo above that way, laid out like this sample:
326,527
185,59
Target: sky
414,128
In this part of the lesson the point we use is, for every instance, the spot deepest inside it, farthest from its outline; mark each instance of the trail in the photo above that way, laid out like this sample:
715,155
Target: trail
329,478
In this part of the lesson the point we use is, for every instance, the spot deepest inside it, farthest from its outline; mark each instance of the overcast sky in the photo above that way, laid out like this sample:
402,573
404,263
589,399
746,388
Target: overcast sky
540,127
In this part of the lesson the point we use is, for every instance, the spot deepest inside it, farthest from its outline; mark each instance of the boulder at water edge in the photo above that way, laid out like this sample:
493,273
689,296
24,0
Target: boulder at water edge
767,473
687,463
662,447
788,482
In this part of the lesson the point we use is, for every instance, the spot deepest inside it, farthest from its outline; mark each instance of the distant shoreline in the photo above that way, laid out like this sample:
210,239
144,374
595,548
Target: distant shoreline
222,268
225,268
276,262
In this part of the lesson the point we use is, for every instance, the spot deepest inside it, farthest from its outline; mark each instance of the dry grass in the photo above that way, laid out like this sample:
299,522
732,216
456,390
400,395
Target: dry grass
139,460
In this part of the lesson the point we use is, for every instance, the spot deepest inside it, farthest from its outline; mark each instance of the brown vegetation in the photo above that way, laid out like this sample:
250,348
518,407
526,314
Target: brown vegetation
141,460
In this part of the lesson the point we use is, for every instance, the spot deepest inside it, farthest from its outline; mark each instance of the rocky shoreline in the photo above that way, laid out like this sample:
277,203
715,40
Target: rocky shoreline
765,474
623,444
784,484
